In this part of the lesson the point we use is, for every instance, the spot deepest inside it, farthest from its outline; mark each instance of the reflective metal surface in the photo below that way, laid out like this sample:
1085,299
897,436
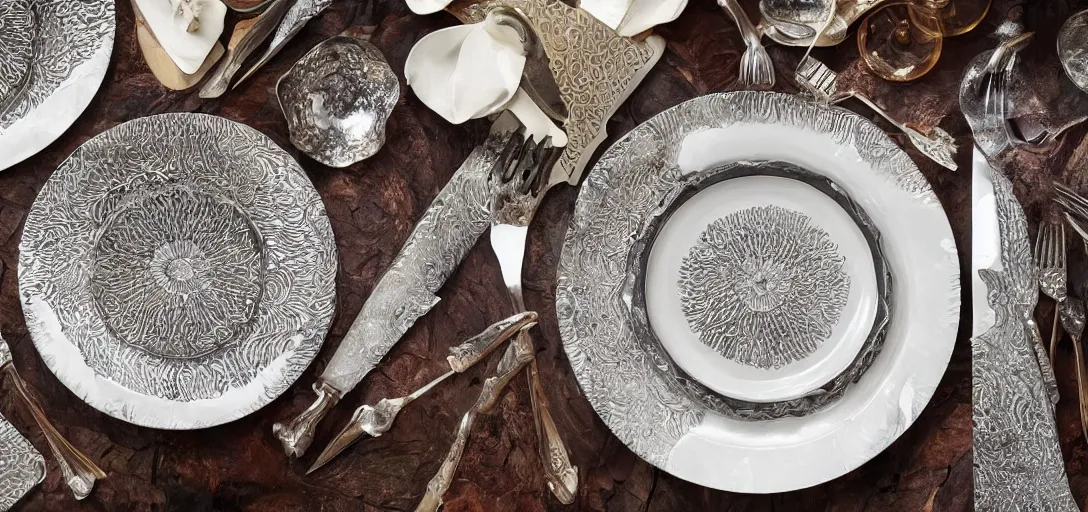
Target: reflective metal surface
194,281
21,466
53,57
337,99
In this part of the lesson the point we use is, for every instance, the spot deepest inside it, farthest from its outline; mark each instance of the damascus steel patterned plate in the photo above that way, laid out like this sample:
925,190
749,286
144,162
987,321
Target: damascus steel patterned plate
760,301
337,99
53,56
21,466
177,271
633,387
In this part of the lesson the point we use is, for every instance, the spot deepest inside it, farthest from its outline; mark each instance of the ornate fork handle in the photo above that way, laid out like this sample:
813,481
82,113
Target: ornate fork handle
747,30
80,473
517,355
560,476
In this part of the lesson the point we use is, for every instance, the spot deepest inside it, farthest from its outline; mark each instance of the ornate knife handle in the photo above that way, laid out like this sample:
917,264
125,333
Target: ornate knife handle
517,355
297,435
80,473
478,347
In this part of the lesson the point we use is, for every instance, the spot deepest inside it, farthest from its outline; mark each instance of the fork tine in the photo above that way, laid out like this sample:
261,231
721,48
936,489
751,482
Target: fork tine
1039,246
1048,246
1061,249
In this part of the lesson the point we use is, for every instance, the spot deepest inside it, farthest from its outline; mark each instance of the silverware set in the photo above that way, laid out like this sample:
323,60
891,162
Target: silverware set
375,420
80,473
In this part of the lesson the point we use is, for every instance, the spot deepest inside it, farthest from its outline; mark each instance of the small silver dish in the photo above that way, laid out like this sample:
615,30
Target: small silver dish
337,99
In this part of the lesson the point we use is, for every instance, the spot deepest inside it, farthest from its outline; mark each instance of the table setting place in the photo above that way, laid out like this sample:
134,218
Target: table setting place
543,255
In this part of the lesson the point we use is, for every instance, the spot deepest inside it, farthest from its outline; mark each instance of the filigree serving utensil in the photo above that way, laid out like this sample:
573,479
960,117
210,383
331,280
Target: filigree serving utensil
1050,266
1072,313
375,420
517,355
247,36
518,182
756,67
1017,451
22,467
301,12
79,471
818,80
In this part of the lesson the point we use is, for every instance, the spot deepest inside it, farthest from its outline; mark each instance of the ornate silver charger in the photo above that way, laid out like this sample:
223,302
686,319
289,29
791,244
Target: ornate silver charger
177,271
762,287
668,418
337,99
53,57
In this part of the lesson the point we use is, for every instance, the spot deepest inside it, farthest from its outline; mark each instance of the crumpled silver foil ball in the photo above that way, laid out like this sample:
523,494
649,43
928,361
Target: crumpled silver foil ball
337,99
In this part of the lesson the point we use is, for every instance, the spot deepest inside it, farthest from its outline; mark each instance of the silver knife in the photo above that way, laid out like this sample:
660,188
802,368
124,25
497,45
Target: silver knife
448,230
80,472
1017,456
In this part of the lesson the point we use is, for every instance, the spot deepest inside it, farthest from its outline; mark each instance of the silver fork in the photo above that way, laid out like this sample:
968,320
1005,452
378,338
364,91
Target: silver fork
756,66
1072,313
80,473
821,82
517,183
1050,266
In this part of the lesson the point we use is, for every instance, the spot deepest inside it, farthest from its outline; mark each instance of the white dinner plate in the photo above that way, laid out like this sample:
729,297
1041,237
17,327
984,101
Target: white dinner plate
634,389
761,287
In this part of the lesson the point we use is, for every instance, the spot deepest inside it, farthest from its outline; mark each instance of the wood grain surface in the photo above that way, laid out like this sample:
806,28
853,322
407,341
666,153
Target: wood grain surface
373,204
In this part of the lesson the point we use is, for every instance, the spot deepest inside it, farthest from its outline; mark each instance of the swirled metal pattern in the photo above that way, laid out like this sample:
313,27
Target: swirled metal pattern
1018,461
21,466
178,259
625,374
763,286
51,54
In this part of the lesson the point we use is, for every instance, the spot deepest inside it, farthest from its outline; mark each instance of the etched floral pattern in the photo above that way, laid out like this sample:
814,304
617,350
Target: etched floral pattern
187,258
178,273
763,286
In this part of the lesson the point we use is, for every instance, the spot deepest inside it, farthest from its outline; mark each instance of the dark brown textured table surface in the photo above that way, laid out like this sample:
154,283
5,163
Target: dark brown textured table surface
240,466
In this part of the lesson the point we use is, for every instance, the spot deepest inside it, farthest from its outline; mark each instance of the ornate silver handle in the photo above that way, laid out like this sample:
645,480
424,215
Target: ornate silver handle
560,476
80,473
517,355
463,356
747,30
297,435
